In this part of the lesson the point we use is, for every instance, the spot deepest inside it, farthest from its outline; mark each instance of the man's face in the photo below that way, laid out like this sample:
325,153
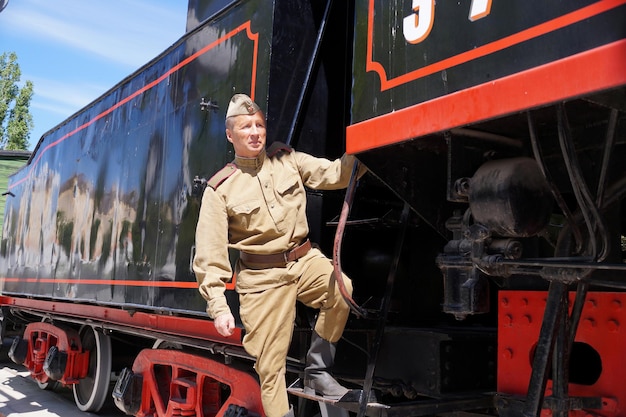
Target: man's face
247,134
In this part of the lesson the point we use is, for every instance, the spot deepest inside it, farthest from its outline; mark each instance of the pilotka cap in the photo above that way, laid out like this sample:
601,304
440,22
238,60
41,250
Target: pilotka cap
241,104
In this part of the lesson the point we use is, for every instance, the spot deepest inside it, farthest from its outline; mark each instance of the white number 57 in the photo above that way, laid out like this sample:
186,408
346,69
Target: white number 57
418,24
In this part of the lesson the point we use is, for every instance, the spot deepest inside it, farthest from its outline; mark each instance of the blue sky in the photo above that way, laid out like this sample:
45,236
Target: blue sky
75,50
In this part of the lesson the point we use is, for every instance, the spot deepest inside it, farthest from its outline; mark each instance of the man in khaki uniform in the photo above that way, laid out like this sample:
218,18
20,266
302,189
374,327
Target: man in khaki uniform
257,205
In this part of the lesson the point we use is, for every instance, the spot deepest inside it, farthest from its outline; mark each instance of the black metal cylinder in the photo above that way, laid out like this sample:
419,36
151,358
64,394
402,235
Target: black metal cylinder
510,197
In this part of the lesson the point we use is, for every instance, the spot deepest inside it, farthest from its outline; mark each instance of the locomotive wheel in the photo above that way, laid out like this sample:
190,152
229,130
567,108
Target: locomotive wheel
163,344
91,391
48,386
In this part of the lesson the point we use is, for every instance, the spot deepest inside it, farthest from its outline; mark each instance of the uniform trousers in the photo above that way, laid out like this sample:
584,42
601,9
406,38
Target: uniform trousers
268,317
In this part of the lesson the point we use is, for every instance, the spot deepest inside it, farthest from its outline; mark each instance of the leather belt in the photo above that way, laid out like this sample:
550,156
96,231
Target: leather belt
277,258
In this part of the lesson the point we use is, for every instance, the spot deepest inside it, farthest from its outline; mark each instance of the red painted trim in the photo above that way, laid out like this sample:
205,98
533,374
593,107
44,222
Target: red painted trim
197,328
107,282
187,382
66,340
500,44
591,71
116,282
244,27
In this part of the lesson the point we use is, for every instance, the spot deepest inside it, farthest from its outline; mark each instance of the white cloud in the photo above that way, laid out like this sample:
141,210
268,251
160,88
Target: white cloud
76,50
52,108
127,32
64,97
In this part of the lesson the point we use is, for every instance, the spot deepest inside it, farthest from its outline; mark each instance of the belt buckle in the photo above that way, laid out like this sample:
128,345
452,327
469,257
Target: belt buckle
286,256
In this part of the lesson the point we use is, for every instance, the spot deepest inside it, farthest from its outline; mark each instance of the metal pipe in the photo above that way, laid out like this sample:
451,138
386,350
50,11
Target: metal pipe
588,208
569,217
538,378
490,137
588,264
608,147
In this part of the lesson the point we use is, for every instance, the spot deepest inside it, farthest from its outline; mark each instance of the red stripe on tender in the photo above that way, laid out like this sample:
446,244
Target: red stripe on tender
112,282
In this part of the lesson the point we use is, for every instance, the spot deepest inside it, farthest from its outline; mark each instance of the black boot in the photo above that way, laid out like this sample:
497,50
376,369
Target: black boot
319,360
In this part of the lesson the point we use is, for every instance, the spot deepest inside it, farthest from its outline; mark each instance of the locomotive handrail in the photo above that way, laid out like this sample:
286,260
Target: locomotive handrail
343,218
307,79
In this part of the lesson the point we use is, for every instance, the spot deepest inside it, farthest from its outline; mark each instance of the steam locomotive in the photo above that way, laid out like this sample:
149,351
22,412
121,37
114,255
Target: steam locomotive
486,242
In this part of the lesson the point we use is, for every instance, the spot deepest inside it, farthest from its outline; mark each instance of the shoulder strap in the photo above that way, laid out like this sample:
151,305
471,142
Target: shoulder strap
277,147
221,175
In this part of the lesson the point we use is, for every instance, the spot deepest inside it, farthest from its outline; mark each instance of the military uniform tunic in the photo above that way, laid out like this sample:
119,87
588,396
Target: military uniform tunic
260,208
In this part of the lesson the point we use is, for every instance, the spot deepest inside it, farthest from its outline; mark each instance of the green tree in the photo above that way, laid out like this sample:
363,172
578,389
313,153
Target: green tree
16,122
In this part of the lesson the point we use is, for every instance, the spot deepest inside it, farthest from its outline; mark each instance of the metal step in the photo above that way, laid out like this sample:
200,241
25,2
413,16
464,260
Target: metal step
421,407
349,402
